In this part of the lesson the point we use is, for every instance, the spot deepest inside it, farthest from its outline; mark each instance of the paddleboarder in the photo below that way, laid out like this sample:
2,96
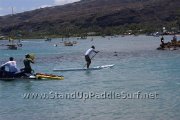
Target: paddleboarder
88,54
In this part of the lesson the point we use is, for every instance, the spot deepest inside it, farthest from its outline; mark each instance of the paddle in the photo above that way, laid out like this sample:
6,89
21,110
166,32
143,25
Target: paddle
91,59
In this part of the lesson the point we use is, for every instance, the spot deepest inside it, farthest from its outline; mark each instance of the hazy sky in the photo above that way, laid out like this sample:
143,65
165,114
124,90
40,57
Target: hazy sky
26,5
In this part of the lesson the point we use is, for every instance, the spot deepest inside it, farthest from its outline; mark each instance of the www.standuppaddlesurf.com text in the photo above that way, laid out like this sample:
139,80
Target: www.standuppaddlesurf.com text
92,95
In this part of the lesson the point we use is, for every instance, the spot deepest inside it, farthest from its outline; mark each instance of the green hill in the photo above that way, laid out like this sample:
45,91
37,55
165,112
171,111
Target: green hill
100,16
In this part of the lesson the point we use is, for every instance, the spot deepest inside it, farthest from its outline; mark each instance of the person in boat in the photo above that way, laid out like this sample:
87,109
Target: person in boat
174,40
88,54
162,42
9,68
27,64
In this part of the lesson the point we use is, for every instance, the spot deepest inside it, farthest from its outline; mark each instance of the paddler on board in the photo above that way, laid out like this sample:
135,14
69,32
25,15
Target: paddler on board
88,55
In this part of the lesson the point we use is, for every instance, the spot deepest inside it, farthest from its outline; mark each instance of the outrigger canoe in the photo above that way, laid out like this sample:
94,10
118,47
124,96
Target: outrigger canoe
37,76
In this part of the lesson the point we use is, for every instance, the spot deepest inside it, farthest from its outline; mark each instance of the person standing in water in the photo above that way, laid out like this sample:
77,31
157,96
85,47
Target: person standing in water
88,54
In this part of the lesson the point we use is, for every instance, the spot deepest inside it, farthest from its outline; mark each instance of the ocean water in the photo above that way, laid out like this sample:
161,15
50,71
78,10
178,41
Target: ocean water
144,84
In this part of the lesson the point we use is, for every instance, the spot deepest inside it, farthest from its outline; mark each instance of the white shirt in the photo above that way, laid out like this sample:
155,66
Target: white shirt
90,51
11,66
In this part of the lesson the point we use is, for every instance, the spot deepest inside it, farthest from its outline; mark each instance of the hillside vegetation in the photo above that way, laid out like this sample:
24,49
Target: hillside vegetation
104,17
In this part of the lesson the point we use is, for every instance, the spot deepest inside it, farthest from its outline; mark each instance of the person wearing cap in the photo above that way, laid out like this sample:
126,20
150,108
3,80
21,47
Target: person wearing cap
10,66
27,64
88,54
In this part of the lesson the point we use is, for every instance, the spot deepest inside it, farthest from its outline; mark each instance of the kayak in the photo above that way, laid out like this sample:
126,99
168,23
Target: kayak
84,69
37,76
48,76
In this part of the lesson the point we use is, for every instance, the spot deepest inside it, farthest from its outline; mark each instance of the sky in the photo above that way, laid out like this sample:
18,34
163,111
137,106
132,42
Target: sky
18,6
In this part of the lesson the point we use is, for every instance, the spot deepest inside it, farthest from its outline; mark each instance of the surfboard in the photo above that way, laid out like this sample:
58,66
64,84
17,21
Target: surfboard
84,69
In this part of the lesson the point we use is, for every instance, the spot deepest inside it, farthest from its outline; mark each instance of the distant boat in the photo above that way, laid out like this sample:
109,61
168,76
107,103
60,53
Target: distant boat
12,45
68,43
74,42
48,39
82,37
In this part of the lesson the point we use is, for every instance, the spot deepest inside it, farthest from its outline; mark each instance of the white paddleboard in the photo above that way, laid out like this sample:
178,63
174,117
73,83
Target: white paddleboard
84,69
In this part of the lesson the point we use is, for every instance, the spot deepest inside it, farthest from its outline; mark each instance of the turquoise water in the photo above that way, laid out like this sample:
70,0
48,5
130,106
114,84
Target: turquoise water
139,68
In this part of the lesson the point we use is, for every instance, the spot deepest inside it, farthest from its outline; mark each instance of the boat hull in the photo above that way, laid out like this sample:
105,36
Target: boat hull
37,76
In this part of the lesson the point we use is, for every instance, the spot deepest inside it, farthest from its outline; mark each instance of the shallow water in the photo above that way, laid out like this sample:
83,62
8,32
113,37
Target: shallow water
139,69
